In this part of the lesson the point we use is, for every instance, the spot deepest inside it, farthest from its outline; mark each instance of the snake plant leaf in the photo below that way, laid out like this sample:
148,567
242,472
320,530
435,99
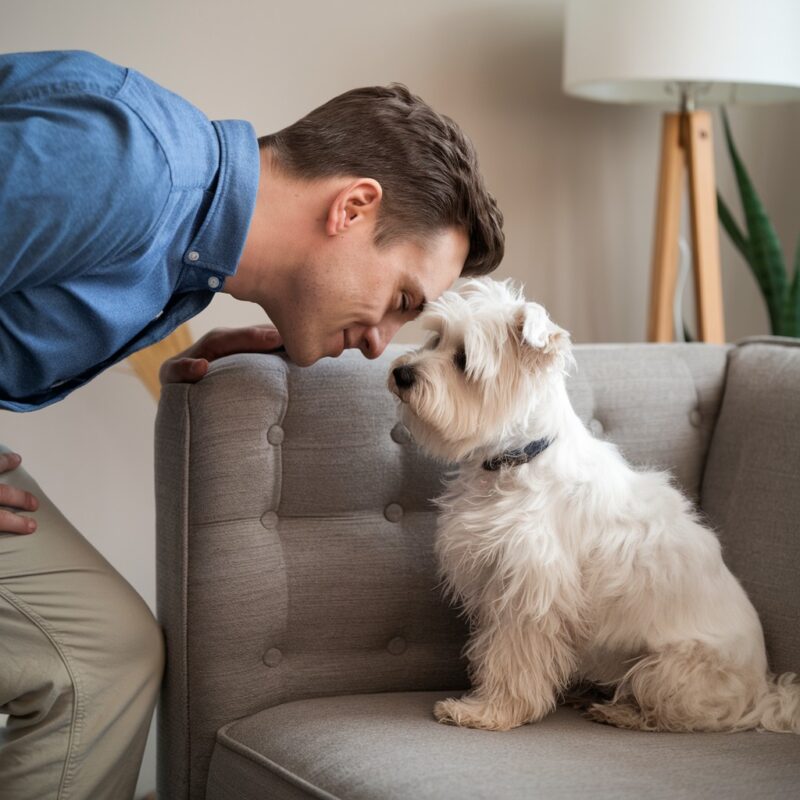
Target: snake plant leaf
732,228
766,256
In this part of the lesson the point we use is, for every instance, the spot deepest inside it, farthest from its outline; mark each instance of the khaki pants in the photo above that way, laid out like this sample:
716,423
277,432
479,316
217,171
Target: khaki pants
81,659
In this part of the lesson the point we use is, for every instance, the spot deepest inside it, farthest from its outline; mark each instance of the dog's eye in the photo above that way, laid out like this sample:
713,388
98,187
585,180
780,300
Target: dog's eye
460,359
433,342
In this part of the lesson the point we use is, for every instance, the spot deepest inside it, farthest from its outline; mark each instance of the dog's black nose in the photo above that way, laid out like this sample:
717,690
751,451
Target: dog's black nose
403,377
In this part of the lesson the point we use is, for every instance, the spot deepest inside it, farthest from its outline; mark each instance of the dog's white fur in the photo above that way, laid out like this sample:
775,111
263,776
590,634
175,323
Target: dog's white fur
574,567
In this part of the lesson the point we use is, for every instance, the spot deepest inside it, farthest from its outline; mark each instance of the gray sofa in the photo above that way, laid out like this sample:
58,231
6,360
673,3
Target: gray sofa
306,635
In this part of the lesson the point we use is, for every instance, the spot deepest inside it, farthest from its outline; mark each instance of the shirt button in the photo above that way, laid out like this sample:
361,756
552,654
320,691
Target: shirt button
193,255
213,281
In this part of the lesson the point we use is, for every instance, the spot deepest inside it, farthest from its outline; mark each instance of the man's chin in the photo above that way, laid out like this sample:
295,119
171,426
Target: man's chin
304,359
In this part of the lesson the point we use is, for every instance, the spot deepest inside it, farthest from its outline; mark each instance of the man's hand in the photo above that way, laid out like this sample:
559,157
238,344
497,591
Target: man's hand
16,498
192,364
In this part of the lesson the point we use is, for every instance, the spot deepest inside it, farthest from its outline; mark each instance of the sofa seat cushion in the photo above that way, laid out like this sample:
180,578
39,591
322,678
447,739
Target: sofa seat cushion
379,746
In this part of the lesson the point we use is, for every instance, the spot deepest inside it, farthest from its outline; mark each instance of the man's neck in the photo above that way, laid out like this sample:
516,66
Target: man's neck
264,249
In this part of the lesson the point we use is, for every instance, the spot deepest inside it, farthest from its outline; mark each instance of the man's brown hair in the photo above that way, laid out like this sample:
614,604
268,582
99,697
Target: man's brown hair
427,167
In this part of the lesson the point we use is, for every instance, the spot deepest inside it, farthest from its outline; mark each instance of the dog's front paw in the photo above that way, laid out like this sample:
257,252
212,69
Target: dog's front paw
472,712
621,715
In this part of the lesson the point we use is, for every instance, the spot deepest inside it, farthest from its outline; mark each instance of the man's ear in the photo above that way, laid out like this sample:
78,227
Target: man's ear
356,202
542,341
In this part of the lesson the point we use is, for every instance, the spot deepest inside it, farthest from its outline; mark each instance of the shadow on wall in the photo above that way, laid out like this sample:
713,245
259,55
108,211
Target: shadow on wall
567,173
500,59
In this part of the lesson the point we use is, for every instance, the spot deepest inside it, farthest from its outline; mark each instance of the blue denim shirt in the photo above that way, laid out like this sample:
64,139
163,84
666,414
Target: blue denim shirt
122,211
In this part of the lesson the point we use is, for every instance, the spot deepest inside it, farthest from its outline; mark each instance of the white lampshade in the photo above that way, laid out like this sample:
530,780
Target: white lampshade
635,51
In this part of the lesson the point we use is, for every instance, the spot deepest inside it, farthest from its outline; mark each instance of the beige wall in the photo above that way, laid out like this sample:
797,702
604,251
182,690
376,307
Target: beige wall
576,181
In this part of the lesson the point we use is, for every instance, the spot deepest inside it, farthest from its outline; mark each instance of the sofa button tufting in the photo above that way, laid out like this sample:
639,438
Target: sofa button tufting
275,434
695,417
596,427
393,512
401,434
269,519
397,646
273,657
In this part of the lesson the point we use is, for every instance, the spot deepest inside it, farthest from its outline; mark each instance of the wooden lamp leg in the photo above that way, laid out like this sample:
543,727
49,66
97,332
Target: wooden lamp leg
668,221
686,145
705,228
147,362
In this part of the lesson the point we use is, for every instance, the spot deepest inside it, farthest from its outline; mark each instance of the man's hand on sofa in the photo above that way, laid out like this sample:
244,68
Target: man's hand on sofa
192,364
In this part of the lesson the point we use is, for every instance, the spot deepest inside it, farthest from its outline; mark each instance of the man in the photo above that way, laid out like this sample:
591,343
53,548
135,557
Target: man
123,210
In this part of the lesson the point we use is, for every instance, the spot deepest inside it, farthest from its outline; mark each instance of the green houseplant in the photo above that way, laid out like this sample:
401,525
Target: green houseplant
762,250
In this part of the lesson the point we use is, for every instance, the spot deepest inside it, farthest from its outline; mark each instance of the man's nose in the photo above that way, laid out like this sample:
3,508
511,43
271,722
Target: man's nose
371,343
375,339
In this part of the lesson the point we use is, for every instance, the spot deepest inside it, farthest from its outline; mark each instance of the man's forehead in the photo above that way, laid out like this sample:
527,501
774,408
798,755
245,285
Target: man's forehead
439,265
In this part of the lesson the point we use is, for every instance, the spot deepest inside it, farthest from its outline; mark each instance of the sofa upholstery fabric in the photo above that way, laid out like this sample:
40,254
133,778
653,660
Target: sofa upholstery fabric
388,746
751,487
295,544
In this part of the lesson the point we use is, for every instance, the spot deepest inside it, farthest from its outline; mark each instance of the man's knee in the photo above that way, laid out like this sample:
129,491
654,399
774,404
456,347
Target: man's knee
138,637
127,641
151,641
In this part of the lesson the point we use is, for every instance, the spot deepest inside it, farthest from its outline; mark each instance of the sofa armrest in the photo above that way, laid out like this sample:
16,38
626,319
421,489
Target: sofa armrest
214,478
751,486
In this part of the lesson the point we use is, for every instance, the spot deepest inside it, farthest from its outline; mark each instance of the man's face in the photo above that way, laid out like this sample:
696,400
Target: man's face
352,294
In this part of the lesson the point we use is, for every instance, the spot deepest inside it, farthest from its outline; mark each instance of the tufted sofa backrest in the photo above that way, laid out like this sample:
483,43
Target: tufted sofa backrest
295,526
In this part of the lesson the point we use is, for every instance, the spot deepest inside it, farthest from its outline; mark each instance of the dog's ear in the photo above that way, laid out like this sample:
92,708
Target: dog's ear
543,343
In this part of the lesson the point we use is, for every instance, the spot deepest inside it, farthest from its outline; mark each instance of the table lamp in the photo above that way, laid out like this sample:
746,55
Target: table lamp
683,54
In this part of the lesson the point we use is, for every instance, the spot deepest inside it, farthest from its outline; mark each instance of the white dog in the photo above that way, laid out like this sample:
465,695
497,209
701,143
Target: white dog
572,566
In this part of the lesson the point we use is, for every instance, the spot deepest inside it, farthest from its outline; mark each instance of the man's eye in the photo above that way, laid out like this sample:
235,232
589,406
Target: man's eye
405,303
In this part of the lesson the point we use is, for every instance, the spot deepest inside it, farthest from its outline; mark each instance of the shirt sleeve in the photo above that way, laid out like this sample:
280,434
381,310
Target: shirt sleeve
83,181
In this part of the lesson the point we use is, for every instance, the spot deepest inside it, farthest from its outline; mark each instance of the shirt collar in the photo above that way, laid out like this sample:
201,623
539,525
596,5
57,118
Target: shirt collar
219,243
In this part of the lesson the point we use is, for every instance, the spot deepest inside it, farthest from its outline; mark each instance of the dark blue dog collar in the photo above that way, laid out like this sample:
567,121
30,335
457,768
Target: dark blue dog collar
513,458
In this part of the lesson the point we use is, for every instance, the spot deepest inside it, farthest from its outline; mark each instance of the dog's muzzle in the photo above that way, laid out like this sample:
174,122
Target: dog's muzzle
404,376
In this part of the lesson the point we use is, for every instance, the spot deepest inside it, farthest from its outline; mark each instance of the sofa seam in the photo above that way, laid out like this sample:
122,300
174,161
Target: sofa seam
187,452
776,341
729,353
279,493
282,772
